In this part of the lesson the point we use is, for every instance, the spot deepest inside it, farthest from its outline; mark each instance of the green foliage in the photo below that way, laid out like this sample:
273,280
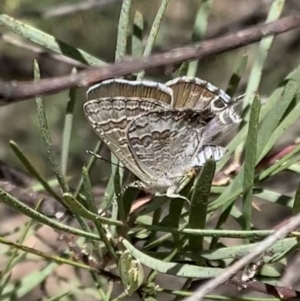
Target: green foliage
187,248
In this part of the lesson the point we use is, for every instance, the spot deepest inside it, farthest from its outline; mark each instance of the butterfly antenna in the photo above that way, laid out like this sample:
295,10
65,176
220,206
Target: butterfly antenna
238,98
101,158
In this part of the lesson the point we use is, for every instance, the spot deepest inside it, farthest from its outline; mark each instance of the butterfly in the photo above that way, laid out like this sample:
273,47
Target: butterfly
161,132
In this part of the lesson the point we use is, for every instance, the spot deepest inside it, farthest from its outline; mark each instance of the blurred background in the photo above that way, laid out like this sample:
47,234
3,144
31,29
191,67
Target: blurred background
92,26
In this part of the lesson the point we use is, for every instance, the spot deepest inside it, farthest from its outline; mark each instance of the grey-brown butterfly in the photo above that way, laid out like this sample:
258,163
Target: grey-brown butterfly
147,129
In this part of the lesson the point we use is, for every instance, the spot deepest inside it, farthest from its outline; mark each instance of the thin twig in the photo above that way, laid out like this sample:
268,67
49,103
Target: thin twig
256,251
16,91
67,9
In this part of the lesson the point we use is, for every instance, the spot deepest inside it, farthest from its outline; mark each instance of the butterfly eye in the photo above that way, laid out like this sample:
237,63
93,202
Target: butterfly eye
218,105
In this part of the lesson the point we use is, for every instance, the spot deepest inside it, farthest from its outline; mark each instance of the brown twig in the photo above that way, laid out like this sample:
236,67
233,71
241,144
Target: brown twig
16,91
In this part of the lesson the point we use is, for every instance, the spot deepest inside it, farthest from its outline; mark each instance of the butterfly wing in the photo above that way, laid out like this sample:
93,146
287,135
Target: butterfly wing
191,92
213,152
221,123
109,118
126,88
165,142
198,94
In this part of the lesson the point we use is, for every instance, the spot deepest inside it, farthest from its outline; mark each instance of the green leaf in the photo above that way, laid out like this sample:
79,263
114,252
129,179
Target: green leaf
289,119
47,136
28,283
21,156
199,31
199,201
123,30
118,207
15,257
129,197
272,120
78,208
90,165
131,272
296,205
276,167
175,209
153,33
181,71
287,164
92,207
68,129
172,268
237,75
261,54
155,221
226,211
137,35
250,162
60,296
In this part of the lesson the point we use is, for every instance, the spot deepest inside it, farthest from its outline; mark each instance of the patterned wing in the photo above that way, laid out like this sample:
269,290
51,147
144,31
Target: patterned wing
209,152
221,123
164,143
190,92
109,118
126,88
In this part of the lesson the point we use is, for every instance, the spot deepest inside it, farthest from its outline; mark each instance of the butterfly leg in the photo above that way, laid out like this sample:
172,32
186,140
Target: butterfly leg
173,191
172,195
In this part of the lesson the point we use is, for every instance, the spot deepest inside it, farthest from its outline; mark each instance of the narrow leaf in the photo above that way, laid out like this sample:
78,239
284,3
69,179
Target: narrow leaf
47,137
250,162
19,153
67,130
199,31
199,201
237,75
261,54
153,32
172,268
137,35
